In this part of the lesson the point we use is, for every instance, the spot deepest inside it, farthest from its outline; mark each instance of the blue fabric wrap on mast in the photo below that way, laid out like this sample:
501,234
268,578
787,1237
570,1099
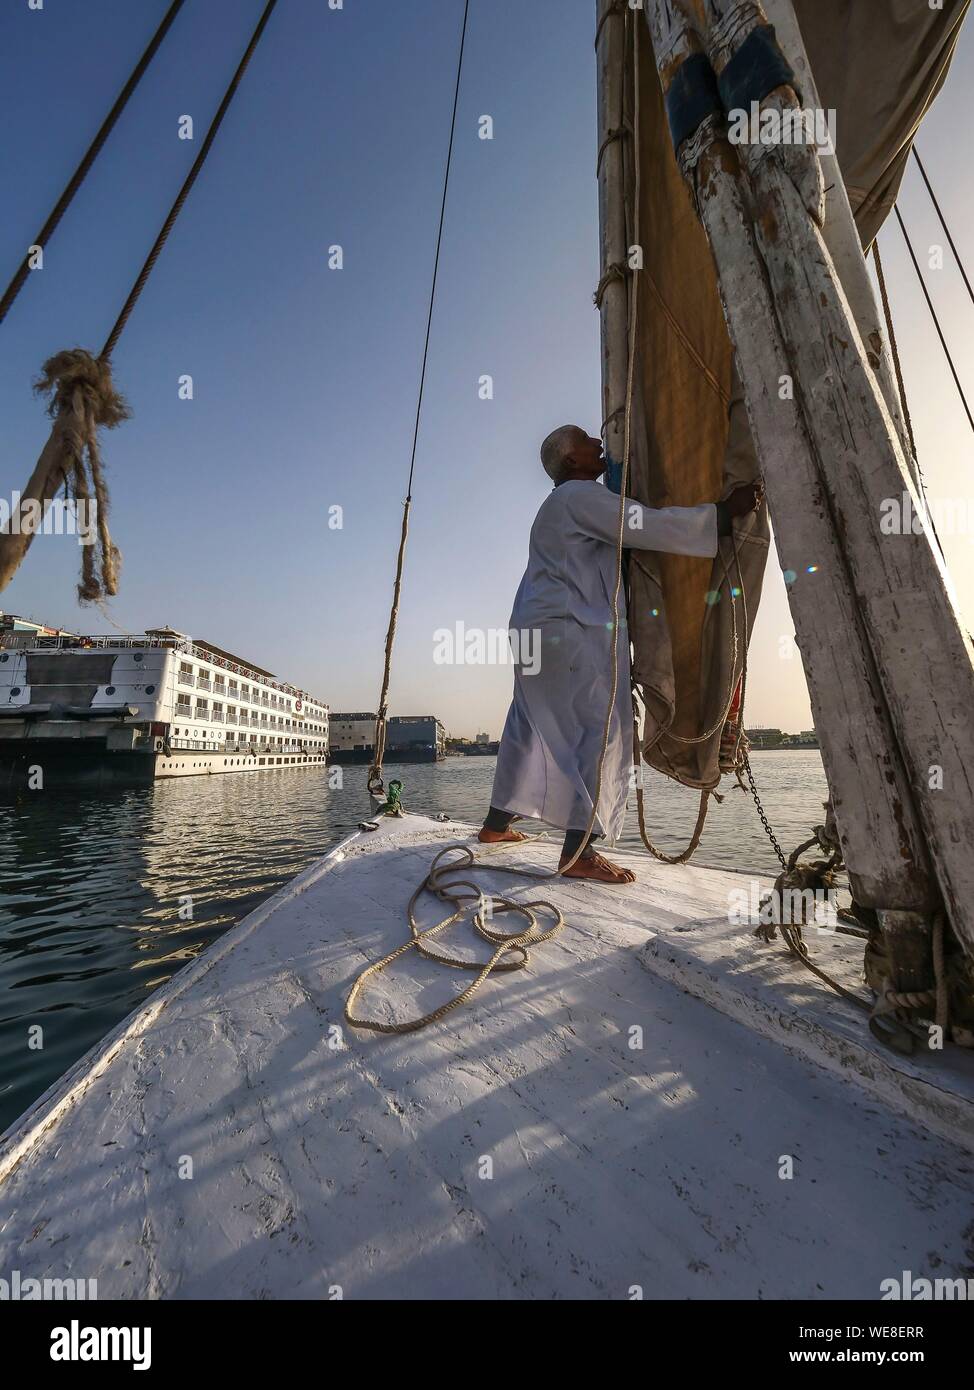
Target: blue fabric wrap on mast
696,92
756,69
692,97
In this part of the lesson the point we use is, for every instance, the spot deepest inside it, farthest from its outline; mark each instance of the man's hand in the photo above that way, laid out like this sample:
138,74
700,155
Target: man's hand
746,498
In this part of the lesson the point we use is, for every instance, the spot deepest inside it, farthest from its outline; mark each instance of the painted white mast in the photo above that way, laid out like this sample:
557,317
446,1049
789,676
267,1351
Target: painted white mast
864,692
921,650
839,227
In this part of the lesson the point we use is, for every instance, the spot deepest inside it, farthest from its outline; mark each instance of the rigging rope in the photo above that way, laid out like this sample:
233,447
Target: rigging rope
901,383
177,207
933,314
94,149
82,398
943,222
374,781
894,350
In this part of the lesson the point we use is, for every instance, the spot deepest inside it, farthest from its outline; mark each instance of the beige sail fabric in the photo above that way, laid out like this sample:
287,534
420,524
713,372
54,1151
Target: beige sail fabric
691,440
879,65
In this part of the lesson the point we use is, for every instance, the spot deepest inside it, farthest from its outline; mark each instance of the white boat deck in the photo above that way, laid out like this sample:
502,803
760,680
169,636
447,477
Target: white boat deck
520,1149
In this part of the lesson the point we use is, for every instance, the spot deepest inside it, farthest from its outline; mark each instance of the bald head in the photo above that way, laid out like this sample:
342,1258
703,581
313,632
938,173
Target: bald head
557,447
568,452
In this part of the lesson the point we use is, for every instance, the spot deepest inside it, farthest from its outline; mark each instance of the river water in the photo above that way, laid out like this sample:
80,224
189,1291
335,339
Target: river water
95,889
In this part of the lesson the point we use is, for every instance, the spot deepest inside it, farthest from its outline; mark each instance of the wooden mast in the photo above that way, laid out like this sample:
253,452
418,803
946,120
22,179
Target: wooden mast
839,229
882,837
614,141
880,834
922,652
830,459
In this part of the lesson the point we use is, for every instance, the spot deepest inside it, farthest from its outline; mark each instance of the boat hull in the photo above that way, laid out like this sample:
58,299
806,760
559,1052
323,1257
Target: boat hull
351,757
47,764
414,755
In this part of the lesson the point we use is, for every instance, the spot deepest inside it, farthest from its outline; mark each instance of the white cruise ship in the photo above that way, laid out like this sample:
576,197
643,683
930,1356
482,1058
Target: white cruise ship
129,709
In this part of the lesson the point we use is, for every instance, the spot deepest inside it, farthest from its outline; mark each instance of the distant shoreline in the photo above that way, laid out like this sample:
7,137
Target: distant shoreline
785,748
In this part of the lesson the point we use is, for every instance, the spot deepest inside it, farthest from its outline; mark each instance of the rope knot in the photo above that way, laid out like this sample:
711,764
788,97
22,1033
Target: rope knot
614,271
82,399
73,370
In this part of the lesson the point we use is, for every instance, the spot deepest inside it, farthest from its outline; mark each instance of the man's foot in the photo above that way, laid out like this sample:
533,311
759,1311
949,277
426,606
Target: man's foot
496,837
596,867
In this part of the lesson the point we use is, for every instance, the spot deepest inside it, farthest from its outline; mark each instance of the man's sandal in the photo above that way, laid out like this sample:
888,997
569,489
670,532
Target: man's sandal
597,868
496,837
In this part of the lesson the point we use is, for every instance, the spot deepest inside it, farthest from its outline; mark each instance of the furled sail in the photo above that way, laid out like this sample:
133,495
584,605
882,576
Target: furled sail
689,619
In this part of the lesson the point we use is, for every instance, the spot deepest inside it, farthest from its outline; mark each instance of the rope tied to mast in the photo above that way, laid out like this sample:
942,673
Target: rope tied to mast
616,133
616,270
616,7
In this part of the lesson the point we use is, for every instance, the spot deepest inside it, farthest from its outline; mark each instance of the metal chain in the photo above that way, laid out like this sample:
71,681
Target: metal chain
764,820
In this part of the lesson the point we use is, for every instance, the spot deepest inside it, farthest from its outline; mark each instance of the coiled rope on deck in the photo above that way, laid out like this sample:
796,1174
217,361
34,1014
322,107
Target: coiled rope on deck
448,890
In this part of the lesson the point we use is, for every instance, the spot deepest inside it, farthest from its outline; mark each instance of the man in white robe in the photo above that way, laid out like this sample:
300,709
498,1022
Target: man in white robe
547,763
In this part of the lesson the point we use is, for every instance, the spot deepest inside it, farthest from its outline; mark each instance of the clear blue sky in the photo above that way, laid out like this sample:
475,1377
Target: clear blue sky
305,378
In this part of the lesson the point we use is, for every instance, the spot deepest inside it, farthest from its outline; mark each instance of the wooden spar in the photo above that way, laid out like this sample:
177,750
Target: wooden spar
881,836
923,654
614,310
839,230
